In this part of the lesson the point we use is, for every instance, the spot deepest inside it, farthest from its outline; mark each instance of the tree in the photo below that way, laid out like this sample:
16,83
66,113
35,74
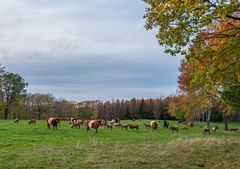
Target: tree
231,95
12,87
149,110
141,109
180,21
42,104
133,108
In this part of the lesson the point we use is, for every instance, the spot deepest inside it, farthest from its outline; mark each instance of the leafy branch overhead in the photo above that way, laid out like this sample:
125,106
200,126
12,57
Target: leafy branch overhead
180,21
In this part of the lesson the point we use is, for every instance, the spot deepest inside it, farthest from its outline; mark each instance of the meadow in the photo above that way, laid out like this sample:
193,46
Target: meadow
35,146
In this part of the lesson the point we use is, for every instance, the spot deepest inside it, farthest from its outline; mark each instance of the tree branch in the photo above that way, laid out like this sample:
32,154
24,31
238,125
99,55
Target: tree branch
233,17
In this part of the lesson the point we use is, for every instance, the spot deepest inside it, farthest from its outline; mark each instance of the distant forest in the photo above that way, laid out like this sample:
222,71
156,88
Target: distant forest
15,102
41,105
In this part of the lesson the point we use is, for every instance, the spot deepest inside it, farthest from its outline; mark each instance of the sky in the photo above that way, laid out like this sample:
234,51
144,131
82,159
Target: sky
85,50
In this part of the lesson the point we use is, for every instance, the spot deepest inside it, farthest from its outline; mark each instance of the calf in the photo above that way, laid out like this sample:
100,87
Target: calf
76,123
133,126
206,129
165,124
16,120
234,129
174,128
125,126
32,121
189,124
215,128
117,124
109,126
154,125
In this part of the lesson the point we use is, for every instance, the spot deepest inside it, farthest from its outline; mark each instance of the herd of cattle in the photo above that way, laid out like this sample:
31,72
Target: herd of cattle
53,122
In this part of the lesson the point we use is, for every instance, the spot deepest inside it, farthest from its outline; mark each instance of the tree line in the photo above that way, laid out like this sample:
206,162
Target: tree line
17,103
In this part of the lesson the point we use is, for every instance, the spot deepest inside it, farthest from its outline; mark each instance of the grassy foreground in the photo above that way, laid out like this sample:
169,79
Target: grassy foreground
34,146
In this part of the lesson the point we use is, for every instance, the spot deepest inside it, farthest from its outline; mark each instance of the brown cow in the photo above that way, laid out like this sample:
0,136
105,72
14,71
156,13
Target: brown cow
133,126
234,129
174,128
189,124
215,128
154,125
16,120
110,126
206,129
93,124
76,123
32,121
52,121
125,126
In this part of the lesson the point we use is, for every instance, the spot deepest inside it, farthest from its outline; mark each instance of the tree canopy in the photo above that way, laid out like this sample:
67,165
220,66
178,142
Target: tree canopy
180,21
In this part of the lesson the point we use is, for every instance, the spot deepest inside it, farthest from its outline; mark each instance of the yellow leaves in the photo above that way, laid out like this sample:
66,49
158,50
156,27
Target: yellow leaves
187,3
177,3
238,77
234,2
157,9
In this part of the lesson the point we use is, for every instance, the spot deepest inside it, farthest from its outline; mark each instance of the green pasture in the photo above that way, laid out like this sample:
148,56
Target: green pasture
35,146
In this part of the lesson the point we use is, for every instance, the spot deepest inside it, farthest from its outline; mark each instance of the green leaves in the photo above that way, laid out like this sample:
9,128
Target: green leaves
231,95
180,21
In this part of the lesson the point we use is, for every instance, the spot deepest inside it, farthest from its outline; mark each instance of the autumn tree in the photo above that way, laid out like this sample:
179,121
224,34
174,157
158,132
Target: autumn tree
180,21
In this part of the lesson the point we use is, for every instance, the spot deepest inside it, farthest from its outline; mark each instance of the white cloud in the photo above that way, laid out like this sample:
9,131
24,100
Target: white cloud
98,43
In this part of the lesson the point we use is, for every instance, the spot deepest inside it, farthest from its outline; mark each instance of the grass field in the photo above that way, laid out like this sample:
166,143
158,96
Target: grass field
35,146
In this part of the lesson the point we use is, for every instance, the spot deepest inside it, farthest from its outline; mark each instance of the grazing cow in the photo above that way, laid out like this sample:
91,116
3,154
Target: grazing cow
234,129
215,128
93,124
32,121
85,122
189,124
133,126
76,123
124,126
117,124
206,129
147,125
52,121
103,123
71,120
165,124
174,128
16,120
154,125
117,120
109,126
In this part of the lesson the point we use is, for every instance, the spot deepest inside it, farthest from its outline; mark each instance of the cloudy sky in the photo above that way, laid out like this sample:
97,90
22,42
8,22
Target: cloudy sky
85,49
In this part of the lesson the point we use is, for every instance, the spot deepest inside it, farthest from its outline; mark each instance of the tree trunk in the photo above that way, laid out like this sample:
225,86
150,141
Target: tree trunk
225,121
209,114
236,118
39,116
6,112
209,117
